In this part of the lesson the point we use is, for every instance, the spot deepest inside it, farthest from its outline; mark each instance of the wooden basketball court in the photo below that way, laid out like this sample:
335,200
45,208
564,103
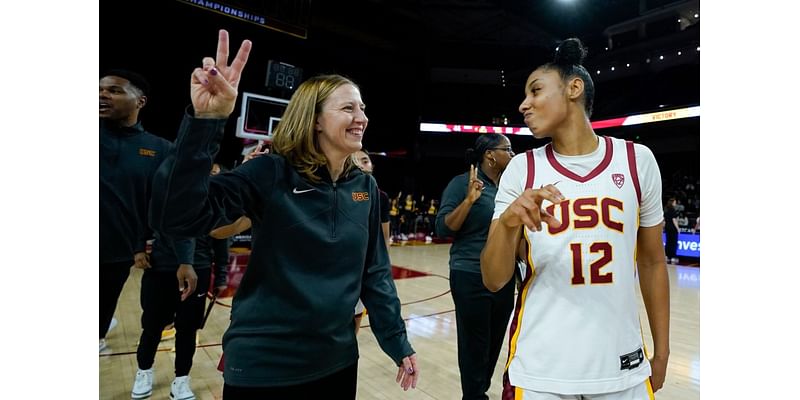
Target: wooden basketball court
424,290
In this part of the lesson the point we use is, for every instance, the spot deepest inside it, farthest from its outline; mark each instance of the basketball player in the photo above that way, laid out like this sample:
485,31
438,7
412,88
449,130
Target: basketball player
317,242
575,333
129,156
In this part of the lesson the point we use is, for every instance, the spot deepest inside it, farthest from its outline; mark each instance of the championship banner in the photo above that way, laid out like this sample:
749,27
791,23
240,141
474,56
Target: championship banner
244,13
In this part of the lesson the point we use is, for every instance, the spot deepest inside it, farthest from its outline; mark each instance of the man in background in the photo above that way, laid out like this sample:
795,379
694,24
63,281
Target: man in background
129,156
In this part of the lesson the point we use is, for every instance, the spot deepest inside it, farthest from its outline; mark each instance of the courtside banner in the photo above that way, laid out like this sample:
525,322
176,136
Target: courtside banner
688,244
636,119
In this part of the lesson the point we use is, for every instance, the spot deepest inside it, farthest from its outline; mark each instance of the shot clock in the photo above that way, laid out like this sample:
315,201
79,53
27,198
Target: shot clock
283,76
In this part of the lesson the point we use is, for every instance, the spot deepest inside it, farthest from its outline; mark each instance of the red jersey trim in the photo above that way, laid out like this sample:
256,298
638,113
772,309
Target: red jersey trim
634,171
575,177
531,170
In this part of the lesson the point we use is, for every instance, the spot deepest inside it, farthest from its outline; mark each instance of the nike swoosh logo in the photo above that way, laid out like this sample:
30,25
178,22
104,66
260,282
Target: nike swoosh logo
295,191
554,183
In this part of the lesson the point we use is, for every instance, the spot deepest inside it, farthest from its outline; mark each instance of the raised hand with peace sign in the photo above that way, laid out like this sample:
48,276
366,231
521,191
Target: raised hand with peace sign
215,86
474,186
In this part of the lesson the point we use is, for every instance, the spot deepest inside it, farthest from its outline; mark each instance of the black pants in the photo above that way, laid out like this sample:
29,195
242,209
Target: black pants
672,244
161,305
481,321
112,280
339,385
394,225
407,225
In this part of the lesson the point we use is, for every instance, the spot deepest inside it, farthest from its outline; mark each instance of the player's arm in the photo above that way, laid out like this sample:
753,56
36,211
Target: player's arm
654,282
652,266
240,225
498,255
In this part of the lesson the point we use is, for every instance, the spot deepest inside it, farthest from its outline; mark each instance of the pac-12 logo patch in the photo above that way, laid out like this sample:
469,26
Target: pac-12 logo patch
618,179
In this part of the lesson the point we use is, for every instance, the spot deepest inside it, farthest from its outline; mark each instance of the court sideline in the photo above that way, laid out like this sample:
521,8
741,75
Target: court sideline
423,288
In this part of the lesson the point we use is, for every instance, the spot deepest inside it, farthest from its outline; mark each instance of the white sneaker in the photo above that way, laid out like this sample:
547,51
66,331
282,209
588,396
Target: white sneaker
111,326
143,384
181,389
103,345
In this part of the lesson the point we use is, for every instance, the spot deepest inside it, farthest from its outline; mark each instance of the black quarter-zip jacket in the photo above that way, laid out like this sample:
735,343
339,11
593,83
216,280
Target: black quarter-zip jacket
168,254
317,248
129,157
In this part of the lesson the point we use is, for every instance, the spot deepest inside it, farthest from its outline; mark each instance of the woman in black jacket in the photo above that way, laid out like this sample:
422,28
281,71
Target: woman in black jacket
318,245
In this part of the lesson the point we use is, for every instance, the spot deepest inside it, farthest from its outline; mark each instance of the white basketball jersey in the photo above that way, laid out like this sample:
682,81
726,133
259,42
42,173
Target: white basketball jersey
576,327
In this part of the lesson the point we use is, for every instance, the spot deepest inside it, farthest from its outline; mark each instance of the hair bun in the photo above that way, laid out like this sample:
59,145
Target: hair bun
570,52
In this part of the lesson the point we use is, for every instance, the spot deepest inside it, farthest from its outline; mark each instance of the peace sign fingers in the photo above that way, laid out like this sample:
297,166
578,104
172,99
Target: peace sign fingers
222,48
214,86
474,185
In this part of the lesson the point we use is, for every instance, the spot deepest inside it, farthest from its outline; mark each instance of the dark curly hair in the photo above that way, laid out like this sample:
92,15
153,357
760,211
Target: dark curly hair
569,56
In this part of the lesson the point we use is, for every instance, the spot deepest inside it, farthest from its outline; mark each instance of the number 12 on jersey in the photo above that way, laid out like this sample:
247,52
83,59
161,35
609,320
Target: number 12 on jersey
595,276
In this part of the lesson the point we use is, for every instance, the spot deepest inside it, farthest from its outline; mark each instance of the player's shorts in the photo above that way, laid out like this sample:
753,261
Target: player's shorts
642,391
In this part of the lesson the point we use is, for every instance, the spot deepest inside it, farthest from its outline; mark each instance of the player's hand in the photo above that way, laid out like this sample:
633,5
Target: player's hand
187,280
474,186
527,209
658,365
408,373
141,260
257,152
214,86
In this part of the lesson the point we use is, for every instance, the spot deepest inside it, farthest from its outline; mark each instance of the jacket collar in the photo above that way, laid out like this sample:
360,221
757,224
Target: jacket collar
323,174
109,126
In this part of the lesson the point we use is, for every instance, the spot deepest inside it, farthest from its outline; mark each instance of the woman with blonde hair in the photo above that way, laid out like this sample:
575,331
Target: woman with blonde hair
318,245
